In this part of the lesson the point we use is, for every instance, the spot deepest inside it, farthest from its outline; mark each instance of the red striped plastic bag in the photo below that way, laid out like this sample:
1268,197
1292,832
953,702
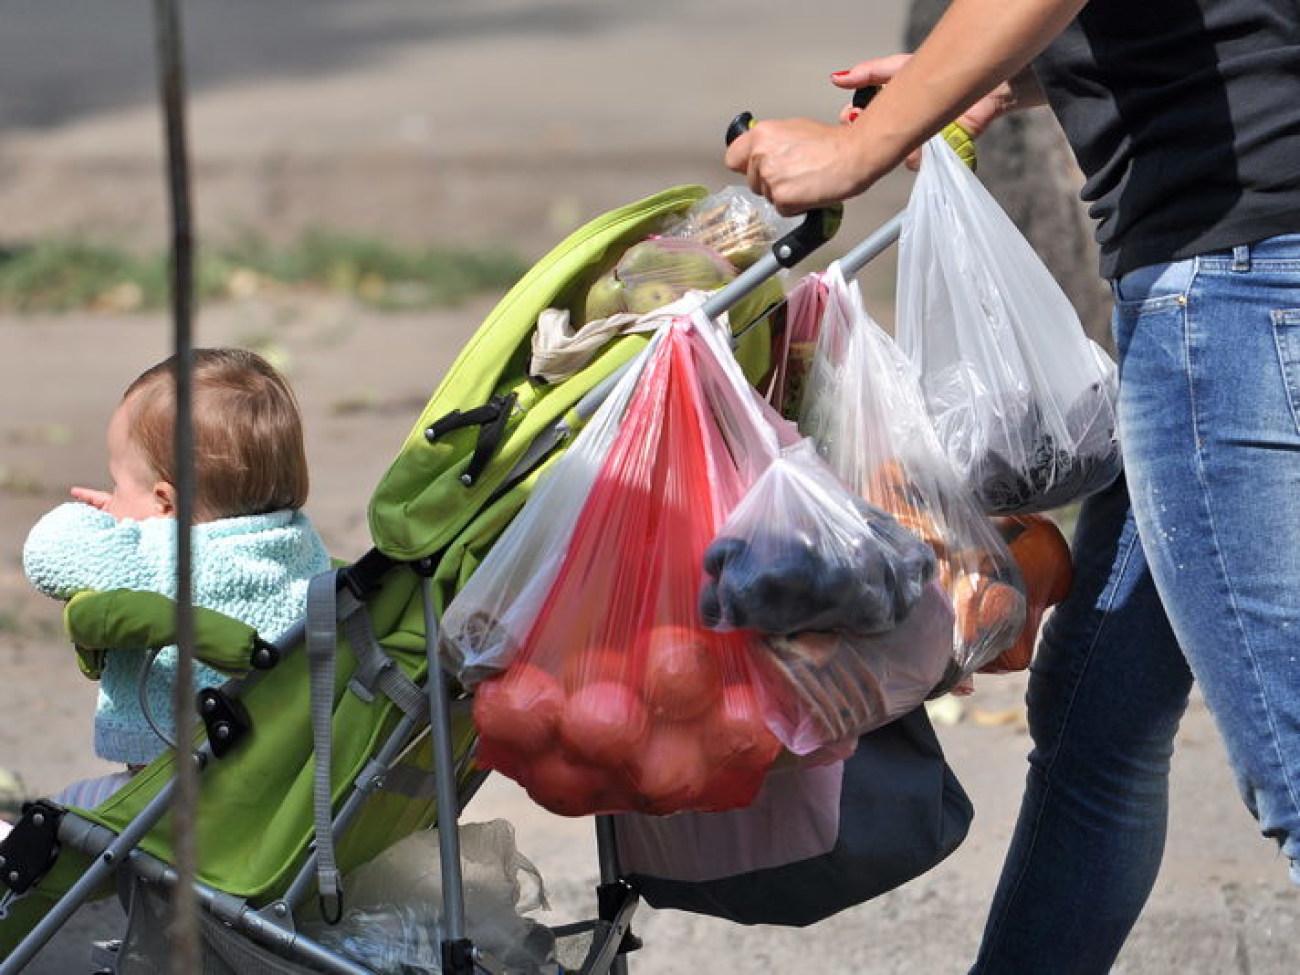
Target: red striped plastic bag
616,698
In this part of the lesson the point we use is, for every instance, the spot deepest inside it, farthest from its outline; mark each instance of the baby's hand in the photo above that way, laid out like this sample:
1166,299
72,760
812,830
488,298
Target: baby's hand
92,497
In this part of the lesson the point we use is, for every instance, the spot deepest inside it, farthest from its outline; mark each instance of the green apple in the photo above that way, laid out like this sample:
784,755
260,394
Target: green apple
607,296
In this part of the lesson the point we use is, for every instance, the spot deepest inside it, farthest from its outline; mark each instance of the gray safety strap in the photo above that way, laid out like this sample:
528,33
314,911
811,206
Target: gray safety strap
413,783
376,670
321,645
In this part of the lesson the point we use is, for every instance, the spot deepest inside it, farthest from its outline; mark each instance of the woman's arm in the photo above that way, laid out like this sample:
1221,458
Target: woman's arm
976,47
1019,92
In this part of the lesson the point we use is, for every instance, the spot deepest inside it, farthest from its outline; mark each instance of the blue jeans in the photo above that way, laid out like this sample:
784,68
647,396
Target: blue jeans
1190,566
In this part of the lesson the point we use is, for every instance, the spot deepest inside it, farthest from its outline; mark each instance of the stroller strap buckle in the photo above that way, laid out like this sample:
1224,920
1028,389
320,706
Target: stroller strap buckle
31,848
491,418
225,719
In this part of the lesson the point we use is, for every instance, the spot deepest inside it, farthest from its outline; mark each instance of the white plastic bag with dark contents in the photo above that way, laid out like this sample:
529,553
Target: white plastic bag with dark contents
1022,400
864,409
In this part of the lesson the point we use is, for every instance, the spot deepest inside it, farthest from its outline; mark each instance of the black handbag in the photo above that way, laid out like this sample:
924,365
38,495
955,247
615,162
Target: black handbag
815,841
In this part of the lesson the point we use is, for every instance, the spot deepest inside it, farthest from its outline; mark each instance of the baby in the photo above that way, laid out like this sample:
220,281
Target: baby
253,548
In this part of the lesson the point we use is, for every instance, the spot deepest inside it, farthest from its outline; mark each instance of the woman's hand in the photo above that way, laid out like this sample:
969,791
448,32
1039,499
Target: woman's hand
798,164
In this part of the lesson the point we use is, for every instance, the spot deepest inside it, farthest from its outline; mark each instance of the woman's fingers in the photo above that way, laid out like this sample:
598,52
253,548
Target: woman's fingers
876,71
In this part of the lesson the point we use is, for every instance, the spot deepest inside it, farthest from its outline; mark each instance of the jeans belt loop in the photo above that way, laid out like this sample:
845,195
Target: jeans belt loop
1241,257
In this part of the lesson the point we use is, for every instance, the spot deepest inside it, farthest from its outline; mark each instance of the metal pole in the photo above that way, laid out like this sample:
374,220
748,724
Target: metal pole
184,936
858,258
456,947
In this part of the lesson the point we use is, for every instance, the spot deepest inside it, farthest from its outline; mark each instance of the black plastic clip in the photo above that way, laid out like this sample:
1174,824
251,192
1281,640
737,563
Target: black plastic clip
265,654
862,96
458,957
491,419
331,906
31,847
225,718
611,898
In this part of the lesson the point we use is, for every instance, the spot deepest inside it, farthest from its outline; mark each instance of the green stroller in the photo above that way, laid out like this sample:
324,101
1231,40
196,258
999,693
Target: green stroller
327,748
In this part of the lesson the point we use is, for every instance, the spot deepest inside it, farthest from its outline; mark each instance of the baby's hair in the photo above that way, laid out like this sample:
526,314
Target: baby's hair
249,457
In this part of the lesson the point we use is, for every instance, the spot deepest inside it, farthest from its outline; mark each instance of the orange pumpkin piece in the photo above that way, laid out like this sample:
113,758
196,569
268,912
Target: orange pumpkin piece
984,606
1043,555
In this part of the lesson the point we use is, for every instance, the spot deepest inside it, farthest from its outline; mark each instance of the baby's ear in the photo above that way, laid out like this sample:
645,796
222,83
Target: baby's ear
164,499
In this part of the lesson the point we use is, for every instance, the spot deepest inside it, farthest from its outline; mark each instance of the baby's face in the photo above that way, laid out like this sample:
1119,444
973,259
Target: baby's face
134,495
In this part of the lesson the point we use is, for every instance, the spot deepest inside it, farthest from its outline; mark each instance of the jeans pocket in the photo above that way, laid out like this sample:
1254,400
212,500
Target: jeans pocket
1154,291
1155,287
1286,336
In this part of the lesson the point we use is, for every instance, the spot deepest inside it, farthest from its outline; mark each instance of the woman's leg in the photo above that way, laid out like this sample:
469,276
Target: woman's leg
1107,689
1211,433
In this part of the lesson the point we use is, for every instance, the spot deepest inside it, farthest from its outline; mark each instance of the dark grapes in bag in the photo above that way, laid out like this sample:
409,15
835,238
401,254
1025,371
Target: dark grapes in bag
803,553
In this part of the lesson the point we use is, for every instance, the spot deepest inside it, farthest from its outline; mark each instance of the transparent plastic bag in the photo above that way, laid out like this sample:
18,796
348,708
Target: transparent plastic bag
389,939
394,919
1022,400
864,408
724,232
797,344
734,222
800,552
655,272
854,630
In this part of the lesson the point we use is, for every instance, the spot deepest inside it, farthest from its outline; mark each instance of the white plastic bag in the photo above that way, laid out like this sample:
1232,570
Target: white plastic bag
394,920
1022,400
485,623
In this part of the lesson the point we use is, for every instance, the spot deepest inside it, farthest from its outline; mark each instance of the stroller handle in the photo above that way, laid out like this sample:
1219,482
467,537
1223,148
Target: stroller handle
818,226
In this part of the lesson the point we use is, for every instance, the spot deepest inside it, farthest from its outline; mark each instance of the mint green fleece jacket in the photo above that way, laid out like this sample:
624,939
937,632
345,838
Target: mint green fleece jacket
254,568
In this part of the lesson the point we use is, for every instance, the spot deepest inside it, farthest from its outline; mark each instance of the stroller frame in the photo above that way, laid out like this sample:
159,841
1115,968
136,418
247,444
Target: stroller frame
608,936
271,927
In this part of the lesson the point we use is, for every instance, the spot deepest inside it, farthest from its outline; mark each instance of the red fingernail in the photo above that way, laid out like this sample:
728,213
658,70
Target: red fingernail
853,115
839,74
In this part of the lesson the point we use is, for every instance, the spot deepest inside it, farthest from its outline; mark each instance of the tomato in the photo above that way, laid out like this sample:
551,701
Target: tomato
564,787
604,723
672,771
593,665
682,676
735,736
520,710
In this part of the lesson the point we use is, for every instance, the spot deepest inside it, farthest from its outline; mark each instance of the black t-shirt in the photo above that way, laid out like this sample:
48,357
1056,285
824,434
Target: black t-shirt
1185,118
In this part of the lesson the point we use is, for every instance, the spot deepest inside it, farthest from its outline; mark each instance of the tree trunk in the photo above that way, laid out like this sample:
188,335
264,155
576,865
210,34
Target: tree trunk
1027,165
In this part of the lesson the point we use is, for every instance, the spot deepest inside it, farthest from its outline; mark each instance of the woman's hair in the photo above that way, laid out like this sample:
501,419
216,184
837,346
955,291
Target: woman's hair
248,445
